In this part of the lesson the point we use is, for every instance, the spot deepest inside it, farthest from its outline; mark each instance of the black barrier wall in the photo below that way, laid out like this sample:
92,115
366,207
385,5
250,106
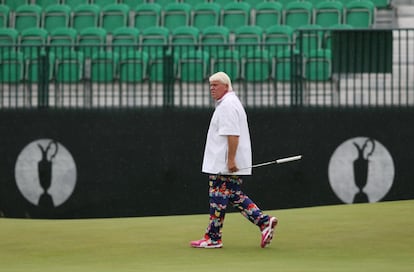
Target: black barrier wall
81,164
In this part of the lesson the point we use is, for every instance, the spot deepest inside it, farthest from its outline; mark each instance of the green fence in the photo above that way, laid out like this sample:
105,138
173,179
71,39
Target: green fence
284,68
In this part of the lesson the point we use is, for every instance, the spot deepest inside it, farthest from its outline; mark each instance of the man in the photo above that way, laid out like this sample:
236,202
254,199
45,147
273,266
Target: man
227,156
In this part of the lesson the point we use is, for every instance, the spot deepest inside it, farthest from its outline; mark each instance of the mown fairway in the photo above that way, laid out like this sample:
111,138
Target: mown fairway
363,237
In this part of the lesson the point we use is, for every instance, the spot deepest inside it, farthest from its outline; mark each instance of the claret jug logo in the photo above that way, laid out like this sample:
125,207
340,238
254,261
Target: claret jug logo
45,173
361,170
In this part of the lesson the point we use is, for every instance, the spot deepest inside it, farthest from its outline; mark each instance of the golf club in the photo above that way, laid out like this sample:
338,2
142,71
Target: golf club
278,161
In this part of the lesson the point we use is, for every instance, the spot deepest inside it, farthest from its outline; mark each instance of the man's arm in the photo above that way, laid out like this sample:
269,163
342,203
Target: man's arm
233,143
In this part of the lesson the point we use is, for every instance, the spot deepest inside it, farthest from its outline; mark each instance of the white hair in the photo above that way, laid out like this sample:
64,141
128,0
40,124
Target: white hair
223,78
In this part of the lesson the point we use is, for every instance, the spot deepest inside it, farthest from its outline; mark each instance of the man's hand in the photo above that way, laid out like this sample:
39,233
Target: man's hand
231,165
233,142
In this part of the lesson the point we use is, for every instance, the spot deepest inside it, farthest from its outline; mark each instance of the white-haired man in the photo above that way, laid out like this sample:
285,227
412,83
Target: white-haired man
227,156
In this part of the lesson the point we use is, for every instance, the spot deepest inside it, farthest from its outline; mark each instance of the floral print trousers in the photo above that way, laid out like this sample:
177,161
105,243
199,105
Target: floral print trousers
222,191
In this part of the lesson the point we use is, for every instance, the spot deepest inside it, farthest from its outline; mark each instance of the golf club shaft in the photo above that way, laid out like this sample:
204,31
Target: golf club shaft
278,161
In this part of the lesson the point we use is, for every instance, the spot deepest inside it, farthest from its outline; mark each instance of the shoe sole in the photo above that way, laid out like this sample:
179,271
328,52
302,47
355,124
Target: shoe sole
213,246
266,241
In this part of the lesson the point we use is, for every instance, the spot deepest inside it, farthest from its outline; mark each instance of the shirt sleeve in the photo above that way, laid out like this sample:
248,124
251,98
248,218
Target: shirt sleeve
229,121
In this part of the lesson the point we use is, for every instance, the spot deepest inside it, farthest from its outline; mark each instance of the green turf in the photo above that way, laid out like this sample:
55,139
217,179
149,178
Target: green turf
363,237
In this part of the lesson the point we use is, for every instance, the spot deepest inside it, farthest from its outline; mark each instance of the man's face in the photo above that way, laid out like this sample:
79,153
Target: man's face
218,89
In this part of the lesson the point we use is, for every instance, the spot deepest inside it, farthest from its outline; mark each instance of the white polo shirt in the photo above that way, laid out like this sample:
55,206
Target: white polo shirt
229,118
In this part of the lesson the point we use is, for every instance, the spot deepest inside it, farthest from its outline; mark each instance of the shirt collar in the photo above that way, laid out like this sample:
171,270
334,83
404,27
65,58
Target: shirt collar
224,97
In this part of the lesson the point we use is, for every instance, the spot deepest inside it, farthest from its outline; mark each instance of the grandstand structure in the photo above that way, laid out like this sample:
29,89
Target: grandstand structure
143,53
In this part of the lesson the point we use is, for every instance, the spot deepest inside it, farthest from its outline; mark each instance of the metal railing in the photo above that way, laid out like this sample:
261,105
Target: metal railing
322,68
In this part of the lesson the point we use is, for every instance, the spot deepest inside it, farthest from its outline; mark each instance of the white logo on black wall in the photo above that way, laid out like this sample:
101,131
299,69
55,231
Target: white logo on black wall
45,173
361,170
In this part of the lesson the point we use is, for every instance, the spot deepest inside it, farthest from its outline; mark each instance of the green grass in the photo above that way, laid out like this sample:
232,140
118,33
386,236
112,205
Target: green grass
363,237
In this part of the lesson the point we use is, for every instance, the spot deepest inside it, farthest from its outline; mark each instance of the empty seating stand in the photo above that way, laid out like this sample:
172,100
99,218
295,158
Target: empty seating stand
128,40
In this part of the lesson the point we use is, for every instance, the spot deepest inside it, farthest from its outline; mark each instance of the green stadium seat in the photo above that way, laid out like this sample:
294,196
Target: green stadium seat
14,4
184,39
316,2
32,66
133,66
103,3
104,66
62,40
222,3
147,15
359,14
75,3
345,2
205,15
114,16
317,72
228,61
285,2
278,38
69,70
175,15
8,39
318,65
156,65
125,39
328,13
193,66
32,41
235,14
4,16
154,39
132,4
56,16
283,65
46,3
215,39
247,37
254,3
84,16
268,14
91,40
193,3
11,67
154,42
308,38
163,3
215,34
256,66
27,16
298,13
69,67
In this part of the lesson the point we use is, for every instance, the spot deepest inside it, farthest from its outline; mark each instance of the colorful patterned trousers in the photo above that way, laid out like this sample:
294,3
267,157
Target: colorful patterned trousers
224,190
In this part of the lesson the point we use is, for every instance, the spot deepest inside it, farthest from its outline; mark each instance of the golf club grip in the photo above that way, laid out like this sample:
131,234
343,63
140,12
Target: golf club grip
294,158
288,159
